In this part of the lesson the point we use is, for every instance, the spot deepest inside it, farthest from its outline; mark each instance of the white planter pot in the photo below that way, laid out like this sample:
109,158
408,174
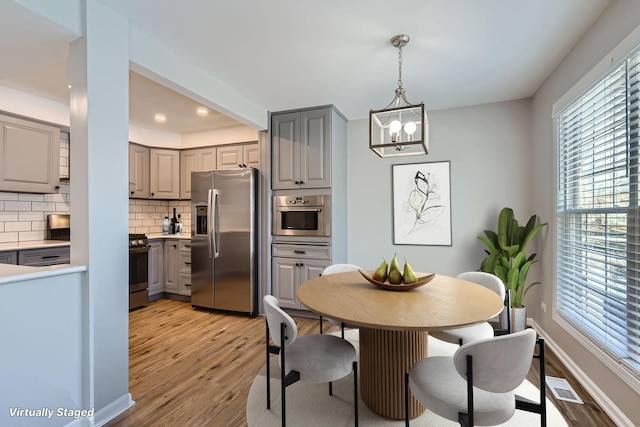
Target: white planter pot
518,318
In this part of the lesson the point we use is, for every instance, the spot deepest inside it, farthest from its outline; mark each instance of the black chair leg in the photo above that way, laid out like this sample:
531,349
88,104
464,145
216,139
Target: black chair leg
342,328
320,324
406,399
268,370
355,391
330,388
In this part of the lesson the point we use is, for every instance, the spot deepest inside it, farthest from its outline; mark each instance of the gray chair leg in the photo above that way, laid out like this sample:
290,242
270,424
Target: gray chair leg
406,399
355,391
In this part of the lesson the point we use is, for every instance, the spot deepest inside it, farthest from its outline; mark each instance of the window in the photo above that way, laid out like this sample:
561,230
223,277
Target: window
598,212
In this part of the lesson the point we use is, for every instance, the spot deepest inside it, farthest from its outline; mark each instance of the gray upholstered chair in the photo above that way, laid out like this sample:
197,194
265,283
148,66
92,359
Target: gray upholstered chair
476,385
467,334
312,358
333,269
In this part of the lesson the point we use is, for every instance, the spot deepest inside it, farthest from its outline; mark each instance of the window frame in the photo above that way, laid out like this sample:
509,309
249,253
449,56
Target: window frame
612,60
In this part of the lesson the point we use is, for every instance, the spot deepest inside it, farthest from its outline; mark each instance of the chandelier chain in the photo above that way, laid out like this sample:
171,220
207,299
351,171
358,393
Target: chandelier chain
400,67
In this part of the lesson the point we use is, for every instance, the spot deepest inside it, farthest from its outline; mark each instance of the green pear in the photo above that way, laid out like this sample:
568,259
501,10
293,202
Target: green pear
395,276
409,276
380,274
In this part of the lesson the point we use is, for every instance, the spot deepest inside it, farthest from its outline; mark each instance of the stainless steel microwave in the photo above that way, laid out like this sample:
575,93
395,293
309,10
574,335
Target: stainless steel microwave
302,216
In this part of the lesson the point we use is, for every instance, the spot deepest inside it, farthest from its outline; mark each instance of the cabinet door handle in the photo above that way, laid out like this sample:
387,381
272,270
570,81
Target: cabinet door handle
187,263
175,246
152,194
187,246
188,285
49,256
299,252
132,193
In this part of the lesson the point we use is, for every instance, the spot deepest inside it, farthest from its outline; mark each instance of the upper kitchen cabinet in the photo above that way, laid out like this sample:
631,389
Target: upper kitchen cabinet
302,143
238,156
29,156
193,160
164,174
138,171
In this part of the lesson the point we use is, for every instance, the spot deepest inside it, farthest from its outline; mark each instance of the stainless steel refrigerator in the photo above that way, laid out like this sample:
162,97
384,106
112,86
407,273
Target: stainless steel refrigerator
224,240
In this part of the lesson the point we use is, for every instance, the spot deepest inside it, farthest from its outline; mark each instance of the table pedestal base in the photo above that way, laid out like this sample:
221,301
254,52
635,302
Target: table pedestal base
385,356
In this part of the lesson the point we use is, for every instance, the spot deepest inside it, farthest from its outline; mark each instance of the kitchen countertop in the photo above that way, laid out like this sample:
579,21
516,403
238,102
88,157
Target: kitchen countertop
10,273
154,236
33,244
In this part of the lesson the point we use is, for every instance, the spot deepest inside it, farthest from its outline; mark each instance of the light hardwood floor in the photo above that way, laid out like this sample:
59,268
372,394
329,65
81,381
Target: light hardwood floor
194,368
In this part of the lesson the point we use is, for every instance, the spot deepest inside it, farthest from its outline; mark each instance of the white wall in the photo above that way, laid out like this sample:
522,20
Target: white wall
488,149
617,21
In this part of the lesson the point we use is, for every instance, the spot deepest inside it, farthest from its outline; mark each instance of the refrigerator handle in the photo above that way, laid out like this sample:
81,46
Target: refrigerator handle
209,222
216,225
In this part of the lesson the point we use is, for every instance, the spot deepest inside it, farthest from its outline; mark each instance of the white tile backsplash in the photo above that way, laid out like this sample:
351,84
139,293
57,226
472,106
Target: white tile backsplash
146,216
23,215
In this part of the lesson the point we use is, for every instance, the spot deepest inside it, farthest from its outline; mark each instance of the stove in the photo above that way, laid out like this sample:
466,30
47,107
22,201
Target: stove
138,271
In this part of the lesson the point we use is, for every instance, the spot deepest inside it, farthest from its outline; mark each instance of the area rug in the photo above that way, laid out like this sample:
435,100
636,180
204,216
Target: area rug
309,405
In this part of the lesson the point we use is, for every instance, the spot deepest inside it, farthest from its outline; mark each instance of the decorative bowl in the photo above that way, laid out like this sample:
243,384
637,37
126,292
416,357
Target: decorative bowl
368,274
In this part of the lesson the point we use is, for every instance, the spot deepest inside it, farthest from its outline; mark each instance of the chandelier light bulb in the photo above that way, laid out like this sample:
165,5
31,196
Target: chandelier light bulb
395,126
410,128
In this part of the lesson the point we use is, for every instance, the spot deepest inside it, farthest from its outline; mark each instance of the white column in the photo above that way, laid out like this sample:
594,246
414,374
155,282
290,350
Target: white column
99,63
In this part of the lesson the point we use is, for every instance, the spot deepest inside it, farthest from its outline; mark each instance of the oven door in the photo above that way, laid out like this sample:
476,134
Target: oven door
307,221
138,269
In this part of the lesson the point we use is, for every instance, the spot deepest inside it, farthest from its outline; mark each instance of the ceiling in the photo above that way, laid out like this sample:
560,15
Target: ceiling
284,54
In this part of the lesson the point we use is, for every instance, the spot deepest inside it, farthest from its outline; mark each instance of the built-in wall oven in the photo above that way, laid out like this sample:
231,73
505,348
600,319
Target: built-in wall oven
138,271
302,216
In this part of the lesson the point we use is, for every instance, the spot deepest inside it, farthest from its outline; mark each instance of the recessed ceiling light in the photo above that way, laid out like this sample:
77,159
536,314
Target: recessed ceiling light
202,111
160,118
69,86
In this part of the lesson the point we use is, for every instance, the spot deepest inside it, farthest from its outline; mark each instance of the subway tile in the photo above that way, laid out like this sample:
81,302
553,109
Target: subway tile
148,223
135,223
38,225
54,197
27,197
8,196
17,226
42,206
31,216
63,208
148,209
11,205
1,227
9,216
8,237
25,236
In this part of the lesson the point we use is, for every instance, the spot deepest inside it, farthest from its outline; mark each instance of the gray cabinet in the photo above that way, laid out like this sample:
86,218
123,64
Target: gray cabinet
45,256
293,265
9,257
184,275
138,171
192,160
237,156
29,156
171,266
164,169
301,144
156,266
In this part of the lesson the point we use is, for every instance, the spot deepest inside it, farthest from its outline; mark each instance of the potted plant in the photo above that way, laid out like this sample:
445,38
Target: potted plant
507,259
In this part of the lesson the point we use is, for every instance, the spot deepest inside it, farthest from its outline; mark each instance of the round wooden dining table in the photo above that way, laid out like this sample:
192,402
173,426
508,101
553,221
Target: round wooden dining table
394,326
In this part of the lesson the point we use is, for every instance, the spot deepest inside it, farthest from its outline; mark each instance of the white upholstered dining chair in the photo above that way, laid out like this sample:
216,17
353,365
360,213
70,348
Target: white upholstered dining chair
476,385
333,269
314,358
467,334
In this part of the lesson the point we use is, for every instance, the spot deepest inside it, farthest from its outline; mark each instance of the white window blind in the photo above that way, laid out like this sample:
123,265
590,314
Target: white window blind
598,212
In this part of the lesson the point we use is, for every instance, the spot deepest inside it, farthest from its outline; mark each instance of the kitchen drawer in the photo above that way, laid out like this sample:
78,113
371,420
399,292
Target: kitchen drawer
185,262
45,256
301,251
185,246
9,257
184,284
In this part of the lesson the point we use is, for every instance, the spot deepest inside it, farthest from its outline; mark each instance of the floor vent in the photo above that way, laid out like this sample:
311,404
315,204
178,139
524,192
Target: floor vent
562,390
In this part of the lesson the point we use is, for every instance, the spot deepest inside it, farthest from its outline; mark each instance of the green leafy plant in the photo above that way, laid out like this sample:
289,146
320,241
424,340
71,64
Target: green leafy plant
506,256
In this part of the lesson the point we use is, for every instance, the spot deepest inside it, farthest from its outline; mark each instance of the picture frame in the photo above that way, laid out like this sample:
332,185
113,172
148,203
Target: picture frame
421,203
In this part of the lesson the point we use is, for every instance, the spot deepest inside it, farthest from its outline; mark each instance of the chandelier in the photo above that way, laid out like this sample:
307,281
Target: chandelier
401,128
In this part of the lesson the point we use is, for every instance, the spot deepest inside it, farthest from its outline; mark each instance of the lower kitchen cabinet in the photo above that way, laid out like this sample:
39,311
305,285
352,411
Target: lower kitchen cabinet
184,276
290,273
9,257
171,266
45,256
156,266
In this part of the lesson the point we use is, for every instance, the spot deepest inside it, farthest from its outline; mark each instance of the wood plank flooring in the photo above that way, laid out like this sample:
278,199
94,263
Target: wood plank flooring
194,368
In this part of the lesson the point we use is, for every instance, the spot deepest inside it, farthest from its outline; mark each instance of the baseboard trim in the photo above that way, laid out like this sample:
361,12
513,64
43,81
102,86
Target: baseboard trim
112,410
599,396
